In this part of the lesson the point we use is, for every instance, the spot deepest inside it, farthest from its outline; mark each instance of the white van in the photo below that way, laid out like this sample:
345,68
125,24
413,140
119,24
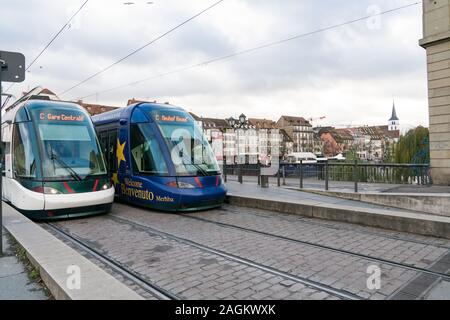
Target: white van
306,157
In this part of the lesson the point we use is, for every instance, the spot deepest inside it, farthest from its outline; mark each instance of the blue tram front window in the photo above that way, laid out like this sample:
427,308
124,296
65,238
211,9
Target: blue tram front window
190,151
70,151
24,157
146,152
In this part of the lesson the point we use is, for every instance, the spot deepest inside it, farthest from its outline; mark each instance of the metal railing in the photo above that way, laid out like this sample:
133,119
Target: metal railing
330,171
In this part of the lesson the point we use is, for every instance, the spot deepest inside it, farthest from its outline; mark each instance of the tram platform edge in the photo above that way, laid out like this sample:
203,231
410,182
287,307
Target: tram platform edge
59,265
335,209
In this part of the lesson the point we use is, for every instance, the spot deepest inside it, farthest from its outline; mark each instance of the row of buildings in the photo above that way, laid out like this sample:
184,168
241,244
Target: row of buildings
298,135
252,140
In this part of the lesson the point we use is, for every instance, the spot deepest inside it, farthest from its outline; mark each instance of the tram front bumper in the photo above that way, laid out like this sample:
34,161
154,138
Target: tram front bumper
202,199
76,200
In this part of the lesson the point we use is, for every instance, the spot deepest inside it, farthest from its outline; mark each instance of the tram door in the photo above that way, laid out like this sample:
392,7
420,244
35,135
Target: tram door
108,140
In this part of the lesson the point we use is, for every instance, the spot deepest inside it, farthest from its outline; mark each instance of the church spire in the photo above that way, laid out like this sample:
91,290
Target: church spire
394,113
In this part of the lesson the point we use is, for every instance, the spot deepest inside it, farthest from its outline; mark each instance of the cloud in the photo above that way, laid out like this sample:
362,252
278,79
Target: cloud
350,74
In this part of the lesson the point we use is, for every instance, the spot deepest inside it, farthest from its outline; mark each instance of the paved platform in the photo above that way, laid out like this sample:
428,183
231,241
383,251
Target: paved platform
52,258
14,281
314,184
348,186
332,208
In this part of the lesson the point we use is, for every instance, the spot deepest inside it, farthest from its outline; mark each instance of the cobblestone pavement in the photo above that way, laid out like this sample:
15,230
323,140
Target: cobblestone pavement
181,269
192,273
412,250
139,290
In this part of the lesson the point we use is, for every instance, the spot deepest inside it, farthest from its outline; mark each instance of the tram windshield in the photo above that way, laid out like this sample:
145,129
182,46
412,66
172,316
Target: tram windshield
69,147
190,151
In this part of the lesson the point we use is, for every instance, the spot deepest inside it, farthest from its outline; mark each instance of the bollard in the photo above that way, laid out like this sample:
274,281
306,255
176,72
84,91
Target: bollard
225,173
278,178
240,174
326,175
259,174
264,181
301,174
355,175
421,181
284,175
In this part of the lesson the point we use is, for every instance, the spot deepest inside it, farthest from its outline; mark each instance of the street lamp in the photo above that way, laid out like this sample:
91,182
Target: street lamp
242,118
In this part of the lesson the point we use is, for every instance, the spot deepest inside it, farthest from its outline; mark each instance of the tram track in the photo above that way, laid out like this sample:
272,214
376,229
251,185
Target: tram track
149,287
309,221
340,293
324,247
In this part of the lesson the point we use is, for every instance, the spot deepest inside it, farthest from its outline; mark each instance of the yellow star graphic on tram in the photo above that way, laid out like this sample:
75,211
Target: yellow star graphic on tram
115,179
119,153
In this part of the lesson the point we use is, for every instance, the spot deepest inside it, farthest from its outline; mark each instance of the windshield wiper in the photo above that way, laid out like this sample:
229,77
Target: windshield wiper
199,168
95,175
72,172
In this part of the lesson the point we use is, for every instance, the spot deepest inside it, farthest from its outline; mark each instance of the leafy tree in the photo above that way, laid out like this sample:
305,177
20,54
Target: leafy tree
351,154
414,147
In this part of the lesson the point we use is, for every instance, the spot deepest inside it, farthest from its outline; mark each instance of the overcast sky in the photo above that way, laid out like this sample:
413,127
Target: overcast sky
350,74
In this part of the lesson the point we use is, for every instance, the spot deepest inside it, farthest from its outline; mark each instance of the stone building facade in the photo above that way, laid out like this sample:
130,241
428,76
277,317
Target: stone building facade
436,41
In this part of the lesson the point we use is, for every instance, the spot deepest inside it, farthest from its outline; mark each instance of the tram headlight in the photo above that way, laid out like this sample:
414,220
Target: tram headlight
106,186
185,185
180,185
46,190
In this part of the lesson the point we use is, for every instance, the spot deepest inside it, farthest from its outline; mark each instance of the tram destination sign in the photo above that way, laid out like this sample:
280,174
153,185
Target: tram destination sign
12,66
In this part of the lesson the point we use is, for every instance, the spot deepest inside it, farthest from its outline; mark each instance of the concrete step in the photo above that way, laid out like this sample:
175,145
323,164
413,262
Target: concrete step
432,203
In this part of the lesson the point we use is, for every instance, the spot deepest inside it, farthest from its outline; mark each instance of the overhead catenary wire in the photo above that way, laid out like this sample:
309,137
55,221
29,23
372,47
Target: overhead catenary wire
141,48
246,51
52,40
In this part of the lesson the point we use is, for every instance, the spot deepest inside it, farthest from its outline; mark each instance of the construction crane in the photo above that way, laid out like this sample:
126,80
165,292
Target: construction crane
315,119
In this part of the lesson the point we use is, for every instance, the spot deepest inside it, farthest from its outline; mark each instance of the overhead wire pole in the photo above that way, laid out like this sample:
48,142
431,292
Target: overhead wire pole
2,164
246,51
51,41
140,48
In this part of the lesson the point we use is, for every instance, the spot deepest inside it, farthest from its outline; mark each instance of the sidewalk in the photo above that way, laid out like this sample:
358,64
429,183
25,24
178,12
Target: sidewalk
314,184
348,186
274,193
14,281
312,205
427,199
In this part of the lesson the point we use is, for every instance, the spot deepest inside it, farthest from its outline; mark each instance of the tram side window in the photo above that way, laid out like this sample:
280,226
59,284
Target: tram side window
147,155
24,159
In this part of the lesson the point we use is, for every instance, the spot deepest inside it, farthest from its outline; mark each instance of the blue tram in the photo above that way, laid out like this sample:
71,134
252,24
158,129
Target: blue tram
157,157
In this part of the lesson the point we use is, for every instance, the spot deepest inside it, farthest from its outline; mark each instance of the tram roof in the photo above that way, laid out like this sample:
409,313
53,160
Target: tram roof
31,104
126,112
